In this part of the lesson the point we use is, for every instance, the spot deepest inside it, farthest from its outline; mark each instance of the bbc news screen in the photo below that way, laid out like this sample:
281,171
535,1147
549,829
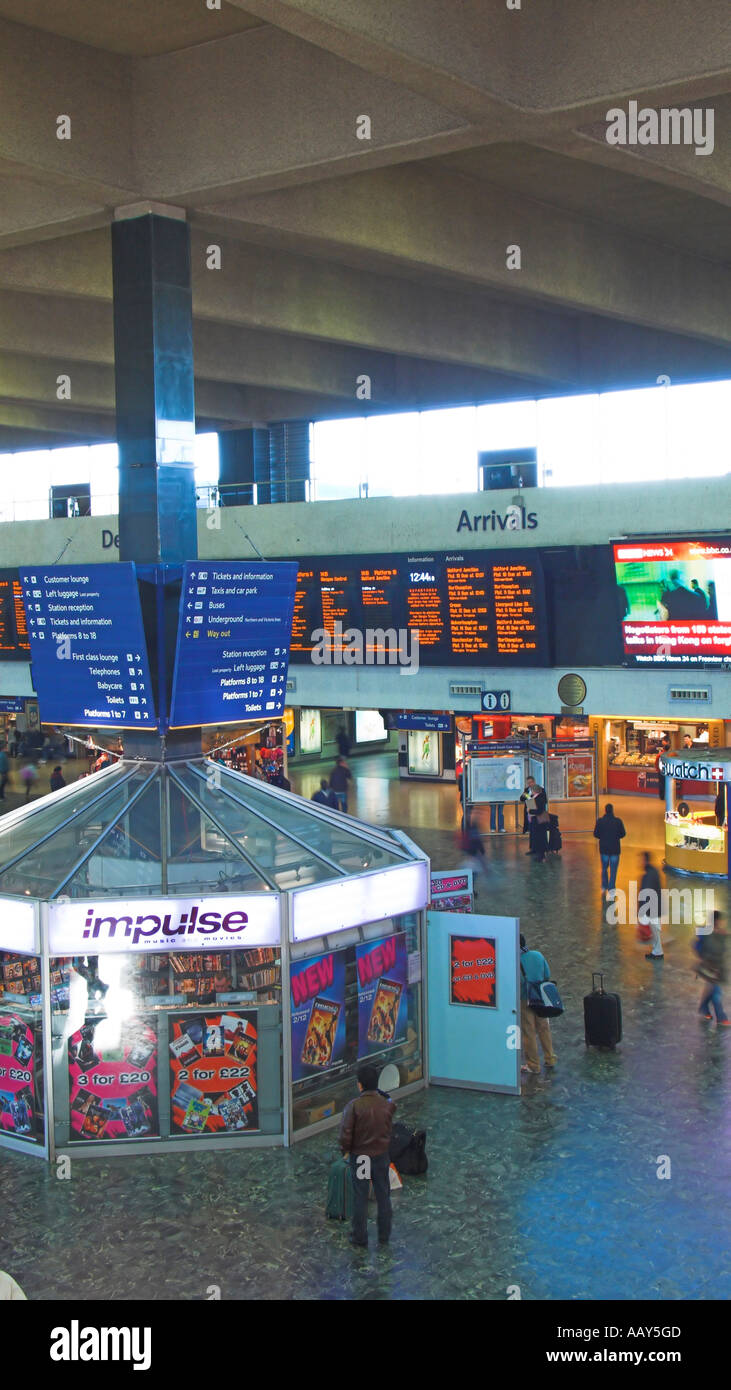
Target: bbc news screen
675,598
474,608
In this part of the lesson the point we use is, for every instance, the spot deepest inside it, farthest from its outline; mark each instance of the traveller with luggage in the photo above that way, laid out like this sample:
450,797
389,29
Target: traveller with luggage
365,1135
534,1024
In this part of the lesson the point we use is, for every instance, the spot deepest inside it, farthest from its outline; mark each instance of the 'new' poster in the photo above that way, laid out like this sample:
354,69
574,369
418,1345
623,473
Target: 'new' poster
113,1079
318,1014
382,977
213,1087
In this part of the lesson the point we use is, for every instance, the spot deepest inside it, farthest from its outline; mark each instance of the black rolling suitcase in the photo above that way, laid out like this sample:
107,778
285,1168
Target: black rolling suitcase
602,1016
555,842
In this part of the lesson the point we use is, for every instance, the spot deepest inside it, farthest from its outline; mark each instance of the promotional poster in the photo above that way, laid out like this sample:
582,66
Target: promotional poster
17,1058
318,1014
580,775
213,1088
473,971
113,1080
382,968
451,892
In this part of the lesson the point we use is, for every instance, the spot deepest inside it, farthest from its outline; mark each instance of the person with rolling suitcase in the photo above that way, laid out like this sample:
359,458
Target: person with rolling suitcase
602,1016
365,1135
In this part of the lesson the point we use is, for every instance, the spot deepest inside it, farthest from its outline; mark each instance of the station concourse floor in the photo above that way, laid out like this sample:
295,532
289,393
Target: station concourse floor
556,1191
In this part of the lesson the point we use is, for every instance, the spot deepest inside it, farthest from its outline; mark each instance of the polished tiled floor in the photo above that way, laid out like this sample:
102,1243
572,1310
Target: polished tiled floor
556,1191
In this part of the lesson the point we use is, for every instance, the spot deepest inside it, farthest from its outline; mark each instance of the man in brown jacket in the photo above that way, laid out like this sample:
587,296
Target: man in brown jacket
365,1133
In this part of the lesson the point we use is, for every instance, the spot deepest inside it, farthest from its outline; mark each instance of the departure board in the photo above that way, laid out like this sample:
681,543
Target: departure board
470,609
14,640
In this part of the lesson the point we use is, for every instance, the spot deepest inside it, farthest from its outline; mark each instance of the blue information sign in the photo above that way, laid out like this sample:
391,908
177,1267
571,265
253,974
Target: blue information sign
87,645
12,704
233,642
440,723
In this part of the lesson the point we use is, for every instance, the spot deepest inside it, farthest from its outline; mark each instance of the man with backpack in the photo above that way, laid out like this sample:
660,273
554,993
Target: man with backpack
533,971
365,1134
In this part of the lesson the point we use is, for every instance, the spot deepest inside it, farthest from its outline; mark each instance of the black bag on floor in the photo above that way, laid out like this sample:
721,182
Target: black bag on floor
602,1016
555,843
407,1150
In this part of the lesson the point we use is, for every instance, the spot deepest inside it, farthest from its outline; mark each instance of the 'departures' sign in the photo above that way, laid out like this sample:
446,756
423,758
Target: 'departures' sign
179,924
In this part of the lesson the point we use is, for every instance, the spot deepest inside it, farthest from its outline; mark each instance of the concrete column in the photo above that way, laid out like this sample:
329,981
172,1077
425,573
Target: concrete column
289,460
244,460
153,370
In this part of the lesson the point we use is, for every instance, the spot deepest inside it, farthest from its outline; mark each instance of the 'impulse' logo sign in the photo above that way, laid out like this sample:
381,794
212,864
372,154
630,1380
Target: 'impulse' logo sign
169,924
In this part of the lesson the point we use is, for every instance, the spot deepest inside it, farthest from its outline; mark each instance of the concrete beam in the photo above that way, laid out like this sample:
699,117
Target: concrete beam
43,77
261,109
407,217
554,55
54,327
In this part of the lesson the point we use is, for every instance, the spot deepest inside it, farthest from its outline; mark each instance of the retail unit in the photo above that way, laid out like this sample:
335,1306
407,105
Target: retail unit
696,835
189,956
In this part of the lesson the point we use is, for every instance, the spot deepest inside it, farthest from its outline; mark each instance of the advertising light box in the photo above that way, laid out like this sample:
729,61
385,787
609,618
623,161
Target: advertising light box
19,926
369,726
467,608
372,897
675,598
88,648
232,649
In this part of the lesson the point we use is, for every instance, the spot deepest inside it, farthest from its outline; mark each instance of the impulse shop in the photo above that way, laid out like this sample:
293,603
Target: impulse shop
217,989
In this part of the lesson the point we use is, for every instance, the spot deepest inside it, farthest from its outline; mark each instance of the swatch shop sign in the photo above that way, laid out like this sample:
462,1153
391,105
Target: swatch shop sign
169,924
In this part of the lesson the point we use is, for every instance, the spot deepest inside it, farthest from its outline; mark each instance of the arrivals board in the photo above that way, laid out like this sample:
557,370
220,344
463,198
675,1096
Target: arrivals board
233,642
87,645
475,608
14,642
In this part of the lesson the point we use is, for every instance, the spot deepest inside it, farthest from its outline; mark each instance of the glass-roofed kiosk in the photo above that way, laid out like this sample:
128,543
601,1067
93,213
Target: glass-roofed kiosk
191,956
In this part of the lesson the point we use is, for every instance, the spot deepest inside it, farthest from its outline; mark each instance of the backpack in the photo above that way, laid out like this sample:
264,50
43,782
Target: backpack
544,998
407,1149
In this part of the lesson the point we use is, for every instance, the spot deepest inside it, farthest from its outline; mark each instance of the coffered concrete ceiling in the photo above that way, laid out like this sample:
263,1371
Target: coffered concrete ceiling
384,256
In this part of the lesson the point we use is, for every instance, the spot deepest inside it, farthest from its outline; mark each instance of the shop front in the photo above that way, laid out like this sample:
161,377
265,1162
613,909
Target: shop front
629,749
190,956
696,830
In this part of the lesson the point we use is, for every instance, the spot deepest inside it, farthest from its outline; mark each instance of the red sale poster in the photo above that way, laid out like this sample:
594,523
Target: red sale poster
473,971
113,1079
